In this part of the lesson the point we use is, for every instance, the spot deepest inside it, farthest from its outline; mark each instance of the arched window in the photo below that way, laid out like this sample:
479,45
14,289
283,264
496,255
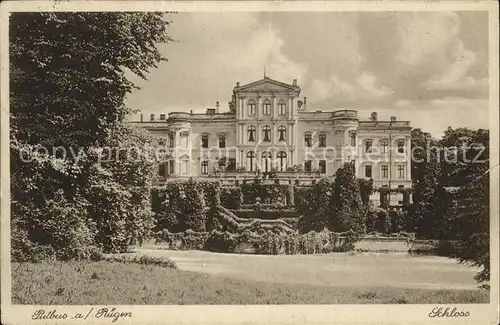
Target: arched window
281,133
282,107
251,107
266,132
251,161
266,161
251,133
266,107
204,167
282,160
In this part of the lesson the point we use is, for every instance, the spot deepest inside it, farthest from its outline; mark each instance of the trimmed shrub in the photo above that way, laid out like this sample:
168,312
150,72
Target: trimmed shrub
231,197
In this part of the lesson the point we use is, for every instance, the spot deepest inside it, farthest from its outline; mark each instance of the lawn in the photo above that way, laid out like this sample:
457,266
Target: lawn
117,283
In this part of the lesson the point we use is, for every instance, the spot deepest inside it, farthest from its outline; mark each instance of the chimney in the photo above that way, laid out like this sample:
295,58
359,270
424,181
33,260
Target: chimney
294,82
393,118
238,84
305,103
191,112
142,118
152,117
217,105
299,103
374,116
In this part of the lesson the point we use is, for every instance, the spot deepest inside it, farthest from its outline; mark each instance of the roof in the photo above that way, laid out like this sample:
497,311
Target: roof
266,81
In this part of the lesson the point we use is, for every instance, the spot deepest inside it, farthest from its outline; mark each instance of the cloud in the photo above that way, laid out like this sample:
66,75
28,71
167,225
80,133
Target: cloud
368,82
406,64
264,50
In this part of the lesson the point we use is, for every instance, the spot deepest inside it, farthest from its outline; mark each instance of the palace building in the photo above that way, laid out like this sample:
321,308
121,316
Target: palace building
268,128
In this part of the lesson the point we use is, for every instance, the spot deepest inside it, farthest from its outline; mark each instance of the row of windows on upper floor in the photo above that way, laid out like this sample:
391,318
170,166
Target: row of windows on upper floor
266,107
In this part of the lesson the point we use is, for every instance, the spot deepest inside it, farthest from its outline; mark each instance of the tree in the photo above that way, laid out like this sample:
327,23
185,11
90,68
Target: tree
69,75
68,72
466,172
346,204
470,215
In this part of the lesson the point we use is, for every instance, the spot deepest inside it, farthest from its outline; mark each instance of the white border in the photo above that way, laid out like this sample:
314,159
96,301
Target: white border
255,314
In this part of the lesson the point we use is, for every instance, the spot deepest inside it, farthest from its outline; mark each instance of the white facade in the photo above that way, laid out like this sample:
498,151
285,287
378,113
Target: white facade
268,126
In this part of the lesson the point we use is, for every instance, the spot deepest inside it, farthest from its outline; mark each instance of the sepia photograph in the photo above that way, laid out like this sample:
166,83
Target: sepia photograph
161,156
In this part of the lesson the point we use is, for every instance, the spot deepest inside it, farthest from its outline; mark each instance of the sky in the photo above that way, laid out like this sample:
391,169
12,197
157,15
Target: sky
430,68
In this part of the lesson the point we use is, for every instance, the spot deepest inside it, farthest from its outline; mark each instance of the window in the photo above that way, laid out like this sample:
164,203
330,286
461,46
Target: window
162,169
282,160
222,163
251,161
307,166
368,171
231,165
266,107
353,139
204,140
172,167
204,167
172,140
266,161
251,107
184,140
184,165
385,186
152,117
384,144
281,107
162,117
401,171
281,133
401,146
222,140
322,166
251,133
368,146
161,142
307,139
401,186
322,140
385,171
266,130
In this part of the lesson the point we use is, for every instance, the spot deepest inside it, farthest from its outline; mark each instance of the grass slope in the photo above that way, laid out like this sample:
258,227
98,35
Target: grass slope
116,283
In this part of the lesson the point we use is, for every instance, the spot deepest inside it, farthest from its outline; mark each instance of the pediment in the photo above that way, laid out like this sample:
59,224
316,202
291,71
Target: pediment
267,85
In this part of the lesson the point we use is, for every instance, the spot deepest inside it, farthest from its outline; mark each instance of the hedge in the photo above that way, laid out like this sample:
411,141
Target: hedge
231,197
267,243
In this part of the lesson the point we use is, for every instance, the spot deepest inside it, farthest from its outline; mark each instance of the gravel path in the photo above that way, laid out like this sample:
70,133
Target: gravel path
336,269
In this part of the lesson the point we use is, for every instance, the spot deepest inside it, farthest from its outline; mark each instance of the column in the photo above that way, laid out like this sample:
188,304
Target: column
243,107
240,110
290,107
258,108
408,159
274,108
